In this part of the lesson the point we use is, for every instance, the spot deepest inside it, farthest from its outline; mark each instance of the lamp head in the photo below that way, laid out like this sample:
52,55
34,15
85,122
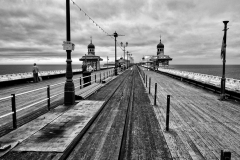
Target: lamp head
121,43
115,34
126,43
225,22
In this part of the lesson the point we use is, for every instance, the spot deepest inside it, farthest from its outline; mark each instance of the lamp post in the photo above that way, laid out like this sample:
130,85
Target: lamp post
223,54
115,35
128,54
124,45
69,89
107,61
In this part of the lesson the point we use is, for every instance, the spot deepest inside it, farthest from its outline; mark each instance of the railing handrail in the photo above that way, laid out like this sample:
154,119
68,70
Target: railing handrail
31,105
7,114
231,83
45,87
45,99
1,99
19,94
197,73
57,84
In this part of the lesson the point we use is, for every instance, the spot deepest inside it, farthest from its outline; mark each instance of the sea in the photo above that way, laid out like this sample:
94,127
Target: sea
232,71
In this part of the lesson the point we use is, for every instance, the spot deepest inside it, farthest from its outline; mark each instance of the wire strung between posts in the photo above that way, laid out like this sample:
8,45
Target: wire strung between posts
96,23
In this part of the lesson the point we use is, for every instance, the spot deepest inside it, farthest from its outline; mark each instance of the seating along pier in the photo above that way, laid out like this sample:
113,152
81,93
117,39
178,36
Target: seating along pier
120,121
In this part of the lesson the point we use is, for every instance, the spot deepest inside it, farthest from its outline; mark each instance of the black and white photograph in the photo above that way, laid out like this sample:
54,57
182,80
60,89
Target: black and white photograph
119,80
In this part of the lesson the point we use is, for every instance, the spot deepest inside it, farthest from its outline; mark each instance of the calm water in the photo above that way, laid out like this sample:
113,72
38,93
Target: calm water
232,71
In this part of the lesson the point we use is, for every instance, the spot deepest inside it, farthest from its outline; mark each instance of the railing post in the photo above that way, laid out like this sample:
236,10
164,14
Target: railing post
155,95
144,77
167,113
225,155
14,116
146,80
48,96
80,82
95,78
100,77
149,86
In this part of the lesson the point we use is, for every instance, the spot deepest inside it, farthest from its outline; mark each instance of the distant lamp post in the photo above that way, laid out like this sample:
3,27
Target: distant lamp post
124,45
69,89
128,62
223,56
107,61
115,35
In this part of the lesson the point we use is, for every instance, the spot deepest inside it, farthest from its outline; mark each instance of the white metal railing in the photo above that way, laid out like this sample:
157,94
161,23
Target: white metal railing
109,72
232,84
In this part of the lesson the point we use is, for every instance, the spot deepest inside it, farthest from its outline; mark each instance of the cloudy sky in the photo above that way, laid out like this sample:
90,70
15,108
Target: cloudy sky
34,30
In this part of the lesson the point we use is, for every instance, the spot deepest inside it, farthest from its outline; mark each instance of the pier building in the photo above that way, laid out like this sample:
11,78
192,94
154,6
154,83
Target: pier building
156,61
161,59
120,62
91,58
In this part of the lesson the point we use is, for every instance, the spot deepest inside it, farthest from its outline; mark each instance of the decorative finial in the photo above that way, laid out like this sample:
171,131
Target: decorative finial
91,39
160,38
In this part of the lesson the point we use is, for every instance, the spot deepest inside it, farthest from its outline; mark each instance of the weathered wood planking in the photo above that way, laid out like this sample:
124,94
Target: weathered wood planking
204,124
101,95
147,138
58,134
104,137
25,131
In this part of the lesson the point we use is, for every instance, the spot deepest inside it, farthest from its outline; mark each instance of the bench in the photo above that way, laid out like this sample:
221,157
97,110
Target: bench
87,91
107,80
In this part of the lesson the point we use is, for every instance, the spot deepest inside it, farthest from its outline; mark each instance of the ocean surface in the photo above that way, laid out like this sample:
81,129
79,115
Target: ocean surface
232,71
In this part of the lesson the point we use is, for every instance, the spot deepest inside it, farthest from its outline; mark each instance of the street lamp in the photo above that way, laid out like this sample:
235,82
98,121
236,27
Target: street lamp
69,89
223,55
115,35
107,61
124,45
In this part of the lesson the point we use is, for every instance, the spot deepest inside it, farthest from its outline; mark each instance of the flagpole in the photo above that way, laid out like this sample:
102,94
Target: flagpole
223,80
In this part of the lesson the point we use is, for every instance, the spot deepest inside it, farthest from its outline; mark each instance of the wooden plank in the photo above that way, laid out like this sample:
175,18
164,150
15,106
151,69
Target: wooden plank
58,134
207,123
25,131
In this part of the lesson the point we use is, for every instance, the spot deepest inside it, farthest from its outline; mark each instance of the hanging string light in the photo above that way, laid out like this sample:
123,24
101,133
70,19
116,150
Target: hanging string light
95,23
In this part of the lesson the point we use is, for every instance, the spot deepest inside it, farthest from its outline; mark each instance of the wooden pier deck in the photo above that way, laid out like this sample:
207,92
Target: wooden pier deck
129,126
200,124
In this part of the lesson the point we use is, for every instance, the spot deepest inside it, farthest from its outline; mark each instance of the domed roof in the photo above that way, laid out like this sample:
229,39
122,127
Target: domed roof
91,45
160,45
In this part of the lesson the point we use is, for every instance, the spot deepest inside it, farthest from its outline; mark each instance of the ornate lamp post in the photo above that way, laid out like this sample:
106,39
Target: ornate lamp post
223,56
124,45
69,89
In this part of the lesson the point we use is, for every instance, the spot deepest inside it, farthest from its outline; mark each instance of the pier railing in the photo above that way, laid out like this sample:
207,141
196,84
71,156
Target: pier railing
231,84
17,76
10,106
